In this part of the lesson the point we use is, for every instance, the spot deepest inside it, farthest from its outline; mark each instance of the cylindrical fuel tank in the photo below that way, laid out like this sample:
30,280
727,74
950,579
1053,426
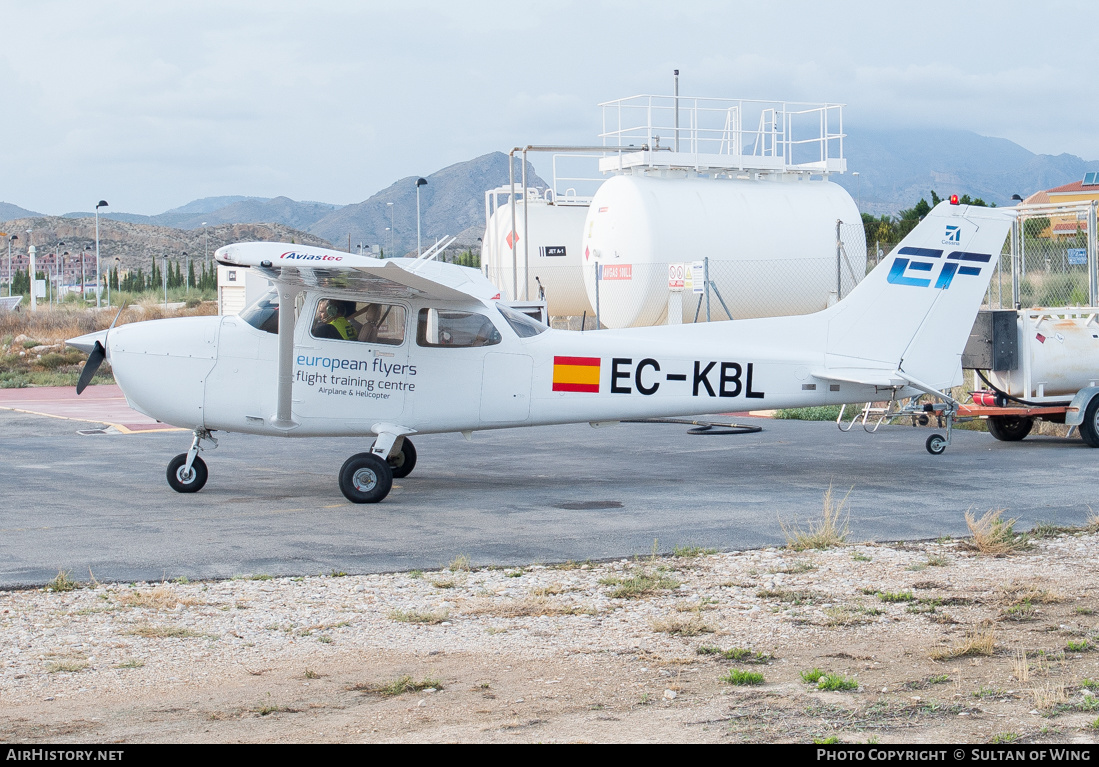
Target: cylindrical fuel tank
550,256
1058,352
771,245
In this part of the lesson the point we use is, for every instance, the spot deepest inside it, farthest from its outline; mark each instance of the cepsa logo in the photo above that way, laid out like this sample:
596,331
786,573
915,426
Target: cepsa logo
905,271
291,255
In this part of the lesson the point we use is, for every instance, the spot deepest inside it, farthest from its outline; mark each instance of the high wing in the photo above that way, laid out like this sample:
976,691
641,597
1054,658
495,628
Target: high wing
318,268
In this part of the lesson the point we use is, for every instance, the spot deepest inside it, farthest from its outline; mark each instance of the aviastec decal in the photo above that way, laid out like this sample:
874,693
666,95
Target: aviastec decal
904,270
291,255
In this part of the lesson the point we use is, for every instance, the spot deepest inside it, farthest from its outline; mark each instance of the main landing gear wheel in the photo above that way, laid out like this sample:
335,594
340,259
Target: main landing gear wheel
365,478
1089,429
184,482
936,444
403,462
1009,428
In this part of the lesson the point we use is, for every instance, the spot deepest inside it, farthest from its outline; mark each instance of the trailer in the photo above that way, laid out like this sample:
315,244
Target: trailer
1038,364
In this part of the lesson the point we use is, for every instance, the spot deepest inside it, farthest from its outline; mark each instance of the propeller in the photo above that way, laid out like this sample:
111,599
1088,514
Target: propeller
95,358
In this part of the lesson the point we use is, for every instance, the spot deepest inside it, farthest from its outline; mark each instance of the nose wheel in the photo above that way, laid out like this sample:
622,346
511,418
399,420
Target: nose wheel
187,473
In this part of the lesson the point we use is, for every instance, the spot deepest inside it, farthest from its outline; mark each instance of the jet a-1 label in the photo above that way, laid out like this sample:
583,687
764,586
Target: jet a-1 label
372,379
705,378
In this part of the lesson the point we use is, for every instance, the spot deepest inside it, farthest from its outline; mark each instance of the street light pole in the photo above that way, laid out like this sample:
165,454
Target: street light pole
56,263
98,278
205,248
32,272
10,240
187,276
419,182
859,179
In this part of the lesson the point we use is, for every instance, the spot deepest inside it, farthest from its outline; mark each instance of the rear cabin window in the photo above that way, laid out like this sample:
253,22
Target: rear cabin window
365,322
455,329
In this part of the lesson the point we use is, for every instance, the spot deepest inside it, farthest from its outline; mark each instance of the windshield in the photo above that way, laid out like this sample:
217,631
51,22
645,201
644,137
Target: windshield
264,313
524,325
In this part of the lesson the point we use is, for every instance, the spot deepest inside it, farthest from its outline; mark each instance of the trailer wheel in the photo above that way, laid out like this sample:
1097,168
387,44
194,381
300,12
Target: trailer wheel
935,444
1089,429
1009,428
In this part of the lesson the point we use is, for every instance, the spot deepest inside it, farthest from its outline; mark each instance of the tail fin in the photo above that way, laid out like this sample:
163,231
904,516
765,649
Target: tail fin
914,312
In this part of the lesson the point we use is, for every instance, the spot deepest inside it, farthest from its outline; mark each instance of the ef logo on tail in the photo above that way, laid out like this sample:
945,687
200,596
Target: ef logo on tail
904,271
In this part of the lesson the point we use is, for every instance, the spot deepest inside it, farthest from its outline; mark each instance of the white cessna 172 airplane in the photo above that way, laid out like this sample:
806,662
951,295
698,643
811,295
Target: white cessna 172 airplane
348,345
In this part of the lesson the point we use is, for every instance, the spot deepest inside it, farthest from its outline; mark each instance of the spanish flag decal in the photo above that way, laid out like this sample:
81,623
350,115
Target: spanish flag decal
576,374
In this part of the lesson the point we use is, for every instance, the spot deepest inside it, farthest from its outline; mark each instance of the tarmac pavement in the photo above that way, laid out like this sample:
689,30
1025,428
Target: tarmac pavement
100,503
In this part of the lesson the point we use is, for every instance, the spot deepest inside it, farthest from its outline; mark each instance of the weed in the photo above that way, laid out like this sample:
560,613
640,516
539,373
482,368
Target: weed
1050,699
937,561
739,654
182,580
460,564
337,574
850,616
830,740
1090,684
812,676
993,535
1049,530
63,582
819,413
1081,646
325,639
515,573
797,567
523,608
1084,611
939,679
974,644
741,677
131,663
416,575
551,590
827,532
690,552
66,665
988,692
836,683
415,616
896,596
1024,611
640,585
782,595
858,556
1004,737
1094,725
684,627
404,684
160,598
263,709
311,674
260,577
444,583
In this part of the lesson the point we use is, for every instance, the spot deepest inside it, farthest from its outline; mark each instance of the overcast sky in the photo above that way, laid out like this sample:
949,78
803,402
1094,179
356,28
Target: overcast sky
151,105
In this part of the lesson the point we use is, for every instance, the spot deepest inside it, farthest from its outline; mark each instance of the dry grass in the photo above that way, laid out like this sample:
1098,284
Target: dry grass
415,616
551,590
678,625
1020,667
55,324
1091,525
827,532
975,643
1019,593
161,597
148,631
994,535
1048,697
525,608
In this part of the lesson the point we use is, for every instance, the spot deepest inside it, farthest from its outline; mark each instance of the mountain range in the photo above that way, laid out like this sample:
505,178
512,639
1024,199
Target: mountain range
895,168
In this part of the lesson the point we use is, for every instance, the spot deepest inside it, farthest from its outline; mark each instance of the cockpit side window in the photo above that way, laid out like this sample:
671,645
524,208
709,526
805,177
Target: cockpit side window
366,322
455,329
264,313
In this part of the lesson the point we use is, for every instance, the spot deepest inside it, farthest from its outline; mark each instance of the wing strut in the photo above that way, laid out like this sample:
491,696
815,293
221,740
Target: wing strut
283,419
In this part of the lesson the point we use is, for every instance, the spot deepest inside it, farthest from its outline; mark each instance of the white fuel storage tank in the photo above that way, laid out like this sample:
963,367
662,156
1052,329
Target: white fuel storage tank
547,252
771,244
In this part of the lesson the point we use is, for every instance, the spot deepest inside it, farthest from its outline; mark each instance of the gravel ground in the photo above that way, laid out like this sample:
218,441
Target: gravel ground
935,641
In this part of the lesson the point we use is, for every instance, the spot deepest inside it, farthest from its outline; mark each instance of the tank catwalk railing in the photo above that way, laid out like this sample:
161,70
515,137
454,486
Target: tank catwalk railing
739,134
